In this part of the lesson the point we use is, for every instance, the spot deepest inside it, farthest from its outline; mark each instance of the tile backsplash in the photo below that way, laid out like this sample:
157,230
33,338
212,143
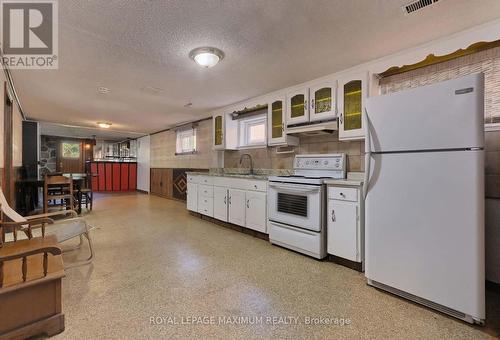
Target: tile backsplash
267,158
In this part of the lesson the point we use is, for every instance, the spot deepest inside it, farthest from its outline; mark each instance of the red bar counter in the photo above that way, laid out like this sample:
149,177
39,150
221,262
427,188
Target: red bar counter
114,176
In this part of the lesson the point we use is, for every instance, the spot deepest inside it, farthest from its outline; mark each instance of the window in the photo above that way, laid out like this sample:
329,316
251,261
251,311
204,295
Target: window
70,150
253,131
186,141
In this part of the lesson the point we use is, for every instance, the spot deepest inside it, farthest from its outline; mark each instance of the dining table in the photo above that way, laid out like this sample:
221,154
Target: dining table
27,191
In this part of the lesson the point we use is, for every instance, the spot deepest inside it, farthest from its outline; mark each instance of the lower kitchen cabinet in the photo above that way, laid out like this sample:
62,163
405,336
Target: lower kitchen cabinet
206,205
238,201
256,211
345,233
192,196
220,203
237,206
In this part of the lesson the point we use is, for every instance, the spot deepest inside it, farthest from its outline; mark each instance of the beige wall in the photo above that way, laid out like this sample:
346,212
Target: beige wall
17,129
17,137
267,158
163,150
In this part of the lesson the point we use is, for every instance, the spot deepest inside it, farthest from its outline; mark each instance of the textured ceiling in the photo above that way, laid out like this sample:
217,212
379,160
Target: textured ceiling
53,129
130,45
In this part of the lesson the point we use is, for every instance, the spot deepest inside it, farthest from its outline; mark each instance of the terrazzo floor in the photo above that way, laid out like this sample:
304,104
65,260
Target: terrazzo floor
160,272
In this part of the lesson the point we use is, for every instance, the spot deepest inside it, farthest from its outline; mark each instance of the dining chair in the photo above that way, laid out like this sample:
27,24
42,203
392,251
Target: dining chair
86,192
63,230
58,187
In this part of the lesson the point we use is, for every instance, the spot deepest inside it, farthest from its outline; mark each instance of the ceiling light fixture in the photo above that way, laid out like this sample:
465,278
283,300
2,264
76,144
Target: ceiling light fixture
206,56
104,125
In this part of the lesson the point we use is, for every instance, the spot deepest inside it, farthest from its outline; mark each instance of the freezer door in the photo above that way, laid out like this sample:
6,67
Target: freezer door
446,115
425,227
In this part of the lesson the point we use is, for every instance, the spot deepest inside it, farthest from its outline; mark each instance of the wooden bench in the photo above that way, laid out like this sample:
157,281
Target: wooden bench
31,272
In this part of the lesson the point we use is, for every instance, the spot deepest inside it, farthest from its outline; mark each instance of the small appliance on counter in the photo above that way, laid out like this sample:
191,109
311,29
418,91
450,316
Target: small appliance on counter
297,203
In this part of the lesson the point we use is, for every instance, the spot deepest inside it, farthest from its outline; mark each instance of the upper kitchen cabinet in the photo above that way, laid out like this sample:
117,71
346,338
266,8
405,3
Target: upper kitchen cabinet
352,93
297,106
312,104
218,131
276,124
322,101
223,132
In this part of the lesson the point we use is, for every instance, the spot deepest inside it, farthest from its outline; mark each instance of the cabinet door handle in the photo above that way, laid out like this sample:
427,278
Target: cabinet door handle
333,215
341,117
305,105
225,200
229,199
248,203
312,104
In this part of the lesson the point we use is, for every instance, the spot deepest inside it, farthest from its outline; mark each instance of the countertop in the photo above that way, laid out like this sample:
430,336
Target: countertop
353,179
344,182
259,174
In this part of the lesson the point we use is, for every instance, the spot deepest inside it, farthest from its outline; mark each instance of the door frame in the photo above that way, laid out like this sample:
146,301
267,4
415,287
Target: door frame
8,172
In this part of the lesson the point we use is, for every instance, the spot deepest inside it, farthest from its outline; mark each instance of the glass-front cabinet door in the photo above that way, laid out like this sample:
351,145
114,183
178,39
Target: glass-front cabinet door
297,107
322,102
276,124
351,98
276,121
218,131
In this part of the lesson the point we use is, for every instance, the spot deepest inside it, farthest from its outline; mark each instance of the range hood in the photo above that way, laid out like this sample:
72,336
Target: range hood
308,129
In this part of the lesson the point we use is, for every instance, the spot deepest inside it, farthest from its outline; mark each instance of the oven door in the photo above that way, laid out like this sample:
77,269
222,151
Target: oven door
298,205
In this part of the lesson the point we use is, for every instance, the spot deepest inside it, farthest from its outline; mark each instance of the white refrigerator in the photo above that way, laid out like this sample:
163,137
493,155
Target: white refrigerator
424,190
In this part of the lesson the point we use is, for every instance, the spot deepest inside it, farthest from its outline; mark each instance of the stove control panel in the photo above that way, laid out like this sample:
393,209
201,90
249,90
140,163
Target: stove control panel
320,162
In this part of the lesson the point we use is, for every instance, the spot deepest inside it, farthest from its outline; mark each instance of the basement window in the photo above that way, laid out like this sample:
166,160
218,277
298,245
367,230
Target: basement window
252,131
185,141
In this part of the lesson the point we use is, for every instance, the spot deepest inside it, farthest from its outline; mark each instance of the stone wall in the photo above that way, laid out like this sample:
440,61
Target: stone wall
48,154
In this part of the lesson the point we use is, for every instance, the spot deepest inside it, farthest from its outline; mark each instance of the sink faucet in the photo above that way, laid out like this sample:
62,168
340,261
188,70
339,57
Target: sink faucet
251,161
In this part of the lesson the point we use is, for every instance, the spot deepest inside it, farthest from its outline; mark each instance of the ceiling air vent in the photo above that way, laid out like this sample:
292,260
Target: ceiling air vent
152,89
417,5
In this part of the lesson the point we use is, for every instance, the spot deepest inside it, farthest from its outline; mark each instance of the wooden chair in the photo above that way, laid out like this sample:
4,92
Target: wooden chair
31,273
58,187
63,230
86,193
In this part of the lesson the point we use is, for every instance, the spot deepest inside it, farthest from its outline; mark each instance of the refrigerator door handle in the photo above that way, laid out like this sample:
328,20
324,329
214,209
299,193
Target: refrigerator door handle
367,154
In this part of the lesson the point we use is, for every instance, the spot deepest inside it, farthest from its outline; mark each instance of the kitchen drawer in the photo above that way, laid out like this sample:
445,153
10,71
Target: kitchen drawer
205,190
205,180
193,178
343,194
206,206
257,185
240,183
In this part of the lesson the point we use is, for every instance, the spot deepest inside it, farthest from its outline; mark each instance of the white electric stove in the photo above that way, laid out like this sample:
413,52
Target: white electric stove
297,203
